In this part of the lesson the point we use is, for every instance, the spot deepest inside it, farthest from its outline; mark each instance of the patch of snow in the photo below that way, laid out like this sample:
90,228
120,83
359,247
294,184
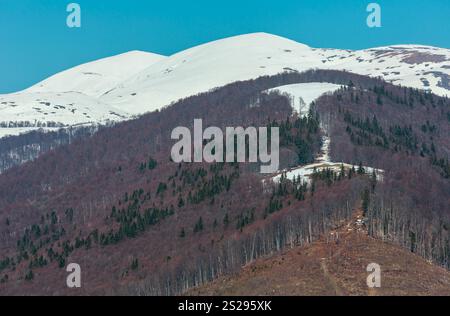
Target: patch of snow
305,172
324,155
303,94
23,130
322,162
66,108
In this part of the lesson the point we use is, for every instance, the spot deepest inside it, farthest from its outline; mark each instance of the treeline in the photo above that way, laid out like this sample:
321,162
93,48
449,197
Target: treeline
405,132
301,224
422,228
39,124
302,134
16,150
216,106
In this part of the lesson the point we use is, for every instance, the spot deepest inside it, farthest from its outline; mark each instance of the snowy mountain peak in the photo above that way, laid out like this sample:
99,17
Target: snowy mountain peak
71,97
98,77
208,66
256,40
118,87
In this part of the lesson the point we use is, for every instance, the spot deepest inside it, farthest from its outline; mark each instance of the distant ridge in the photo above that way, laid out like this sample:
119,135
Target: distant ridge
122,86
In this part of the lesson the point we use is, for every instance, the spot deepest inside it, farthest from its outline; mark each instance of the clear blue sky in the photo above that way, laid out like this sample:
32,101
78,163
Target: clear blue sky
36,43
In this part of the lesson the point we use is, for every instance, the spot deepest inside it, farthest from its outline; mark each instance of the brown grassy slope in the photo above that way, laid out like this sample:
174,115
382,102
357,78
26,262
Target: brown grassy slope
335,266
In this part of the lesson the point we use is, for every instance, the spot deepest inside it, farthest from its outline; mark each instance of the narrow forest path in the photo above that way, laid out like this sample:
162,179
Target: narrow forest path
330,278
335,265
350,228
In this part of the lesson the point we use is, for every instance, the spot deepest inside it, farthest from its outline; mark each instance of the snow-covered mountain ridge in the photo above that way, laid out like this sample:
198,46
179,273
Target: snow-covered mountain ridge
119,87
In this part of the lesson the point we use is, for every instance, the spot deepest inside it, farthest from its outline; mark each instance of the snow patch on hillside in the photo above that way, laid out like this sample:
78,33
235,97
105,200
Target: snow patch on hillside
303,94
322,162
46,109
305,172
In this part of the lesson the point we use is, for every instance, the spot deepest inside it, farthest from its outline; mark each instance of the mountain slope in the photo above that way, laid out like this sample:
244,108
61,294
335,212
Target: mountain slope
208,66
98,77
140,224
415,66
250,56
71,97
334,265
40,109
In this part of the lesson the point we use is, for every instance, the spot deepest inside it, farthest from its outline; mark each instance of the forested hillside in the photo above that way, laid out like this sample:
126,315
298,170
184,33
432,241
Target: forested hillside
138,223
16,150
406,133
335,265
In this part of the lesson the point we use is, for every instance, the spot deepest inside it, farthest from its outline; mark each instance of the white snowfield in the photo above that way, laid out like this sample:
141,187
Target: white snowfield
304,173
303,94
67,108
23,130
119,87
98,77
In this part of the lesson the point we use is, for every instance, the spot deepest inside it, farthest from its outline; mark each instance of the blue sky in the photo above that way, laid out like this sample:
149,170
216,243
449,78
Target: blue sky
36,43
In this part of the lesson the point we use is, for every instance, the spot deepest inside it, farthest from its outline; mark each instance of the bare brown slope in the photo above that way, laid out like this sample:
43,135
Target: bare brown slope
335,266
